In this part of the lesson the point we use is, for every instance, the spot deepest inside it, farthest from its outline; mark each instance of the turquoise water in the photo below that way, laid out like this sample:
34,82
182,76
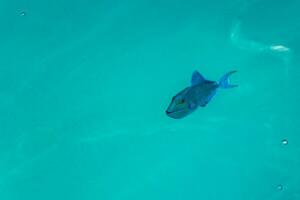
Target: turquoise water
84,86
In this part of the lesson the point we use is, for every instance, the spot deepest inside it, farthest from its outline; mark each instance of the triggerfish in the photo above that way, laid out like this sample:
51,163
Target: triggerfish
198,94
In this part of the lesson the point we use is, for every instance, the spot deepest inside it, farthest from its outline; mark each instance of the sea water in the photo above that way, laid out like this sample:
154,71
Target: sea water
84,86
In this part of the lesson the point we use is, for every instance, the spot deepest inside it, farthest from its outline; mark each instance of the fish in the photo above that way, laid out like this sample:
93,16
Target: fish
198,94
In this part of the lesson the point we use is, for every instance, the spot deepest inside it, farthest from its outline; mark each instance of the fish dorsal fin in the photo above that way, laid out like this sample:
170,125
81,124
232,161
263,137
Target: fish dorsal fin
197,78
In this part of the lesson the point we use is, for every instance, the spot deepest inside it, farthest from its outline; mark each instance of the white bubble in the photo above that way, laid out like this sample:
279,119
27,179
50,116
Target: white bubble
280,187
23,13
284,142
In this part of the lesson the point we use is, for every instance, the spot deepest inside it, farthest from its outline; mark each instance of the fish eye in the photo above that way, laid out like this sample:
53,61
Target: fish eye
181,101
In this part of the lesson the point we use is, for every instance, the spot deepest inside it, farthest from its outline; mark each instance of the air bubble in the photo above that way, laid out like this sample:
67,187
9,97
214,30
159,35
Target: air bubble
23,13
284,142
279,187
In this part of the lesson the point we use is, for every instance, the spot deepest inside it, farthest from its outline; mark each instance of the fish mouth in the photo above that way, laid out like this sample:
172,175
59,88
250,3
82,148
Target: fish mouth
173,112
177,114
170,112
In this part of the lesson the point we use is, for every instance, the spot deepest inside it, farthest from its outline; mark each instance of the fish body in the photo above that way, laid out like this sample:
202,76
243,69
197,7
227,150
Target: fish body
198,94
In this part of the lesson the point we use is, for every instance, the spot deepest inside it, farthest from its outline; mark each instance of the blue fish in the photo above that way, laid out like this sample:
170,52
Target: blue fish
199,93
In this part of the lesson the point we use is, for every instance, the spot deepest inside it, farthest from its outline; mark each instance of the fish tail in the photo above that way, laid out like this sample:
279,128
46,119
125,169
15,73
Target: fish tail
224,81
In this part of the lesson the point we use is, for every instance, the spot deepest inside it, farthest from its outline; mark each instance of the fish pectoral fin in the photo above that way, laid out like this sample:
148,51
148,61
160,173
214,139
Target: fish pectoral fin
205,101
